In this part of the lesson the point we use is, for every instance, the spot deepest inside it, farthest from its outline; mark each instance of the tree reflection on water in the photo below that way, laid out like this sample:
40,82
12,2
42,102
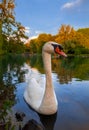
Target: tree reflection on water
12,72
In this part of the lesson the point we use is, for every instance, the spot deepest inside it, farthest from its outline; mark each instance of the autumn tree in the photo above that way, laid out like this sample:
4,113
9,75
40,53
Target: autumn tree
65,33
84,31
42,39
12,31
74,42
83,37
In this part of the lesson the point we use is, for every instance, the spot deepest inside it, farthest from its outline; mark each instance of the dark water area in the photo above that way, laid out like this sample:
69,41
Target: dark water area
71,84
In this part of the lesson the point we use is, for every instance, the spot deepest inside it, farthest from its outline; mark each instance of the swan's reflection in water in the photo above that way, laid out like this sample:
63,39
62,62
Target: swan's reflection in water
33,125
48,123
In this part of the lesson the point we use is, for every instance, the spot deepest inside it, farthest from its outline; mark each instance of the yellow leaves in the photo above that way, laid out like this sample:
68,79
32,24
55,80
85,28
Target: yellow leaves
21,27
27,44
60,39
11,5
66,32
1,6
83,40
44,37
72,40
7,8
11,16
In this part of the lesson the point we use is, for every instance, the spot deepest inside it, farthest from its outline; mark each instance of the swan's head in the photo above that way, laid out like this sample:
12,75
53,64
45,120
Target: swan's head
53,47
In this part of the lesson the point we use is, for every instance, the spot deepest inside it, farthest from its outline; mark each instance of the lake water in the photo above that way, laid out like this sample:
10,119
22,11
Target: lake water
71,83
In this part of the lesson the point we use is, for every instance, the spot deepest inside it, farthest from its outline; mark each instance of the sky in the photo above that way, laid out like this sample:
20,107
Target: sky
47,16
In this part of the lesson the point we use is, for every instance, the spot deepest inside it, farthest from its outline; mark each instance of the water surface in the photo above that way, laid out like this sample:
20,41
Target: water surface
71,83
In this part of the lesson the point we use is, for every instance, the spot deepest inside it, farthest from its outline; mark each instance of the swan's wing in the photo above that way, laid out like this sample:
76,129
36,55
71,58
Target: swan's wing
35,87
34,93
32,73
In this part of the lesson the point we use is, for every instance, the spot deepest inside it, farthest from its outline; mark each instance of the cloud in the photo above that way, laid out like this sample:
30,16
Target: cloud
30,38
69,5
33,37
38,32
27,29
33,34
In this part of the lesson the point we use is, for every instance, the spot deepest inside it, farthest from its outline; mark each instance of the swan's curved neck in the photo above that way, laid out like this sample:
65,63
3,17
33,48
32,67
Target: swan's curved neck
49,103
47,67
49,90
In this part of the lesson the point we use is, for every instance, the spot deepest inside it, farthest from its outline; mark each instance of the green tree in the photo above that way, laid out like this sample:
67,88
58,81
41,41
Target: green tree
6,17
33,46
1,38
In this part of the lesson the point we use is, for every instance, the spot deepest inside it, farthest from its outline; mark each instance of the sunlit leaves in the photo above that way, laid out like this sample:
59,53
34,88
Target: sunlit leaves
66,32
36,44
74,42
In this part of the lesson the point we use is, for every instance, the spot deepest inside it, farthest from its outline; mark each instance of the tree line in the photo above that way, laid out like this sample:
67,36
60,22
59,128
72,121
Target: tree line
73,41
12,35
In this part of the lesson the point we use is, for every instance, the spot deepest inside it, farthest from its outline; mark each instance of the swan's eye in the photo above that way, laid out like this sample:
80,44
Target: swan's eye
60,47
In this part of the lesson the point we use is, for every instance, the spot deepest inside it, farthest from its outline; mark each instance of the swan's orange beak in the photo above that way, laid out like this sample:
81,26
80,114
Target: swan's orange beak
60,52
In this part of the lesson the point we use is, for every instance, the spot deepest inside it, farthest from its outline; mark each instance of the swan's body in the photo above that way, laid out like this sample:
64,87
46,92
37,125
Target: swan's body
41,97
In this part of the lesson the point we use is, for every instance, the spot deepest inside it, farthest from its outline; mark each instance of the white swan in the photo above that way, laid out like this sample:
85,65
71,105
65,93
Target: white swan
43,99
